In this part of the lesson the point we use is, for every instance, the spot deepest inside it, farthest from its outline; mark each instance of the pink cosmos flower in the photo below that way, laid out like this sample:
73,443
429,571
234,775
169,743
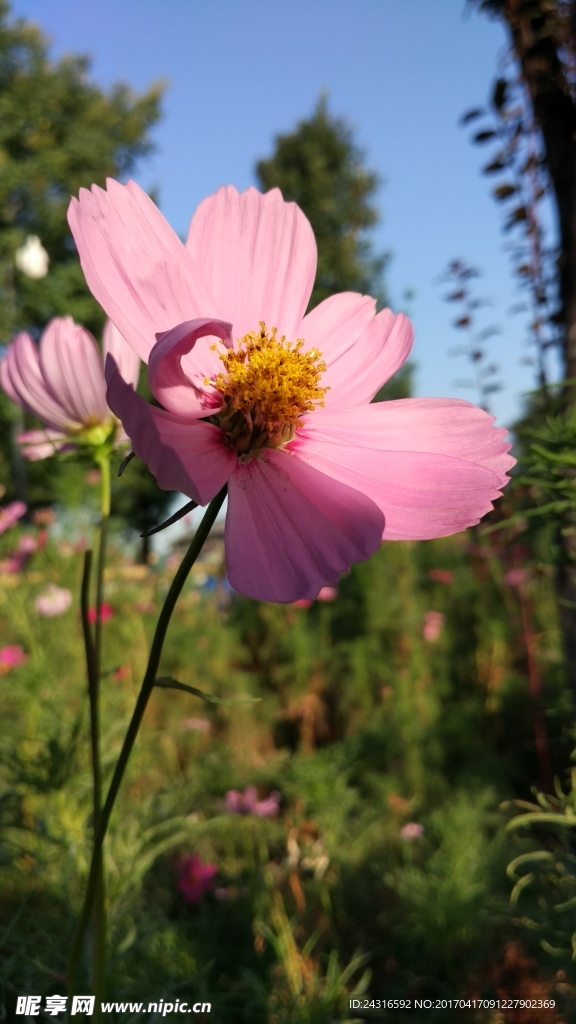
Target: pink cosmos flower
11,656
53,601
61,382
412,830
271,401
433,625
10,514
106,613
195,878
441,576
248,803
516,577
327,594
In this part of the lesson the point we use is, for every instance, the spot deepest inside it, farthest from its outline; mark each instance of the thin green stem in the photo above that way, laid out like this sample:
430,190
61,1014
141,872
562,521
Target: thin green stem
146,689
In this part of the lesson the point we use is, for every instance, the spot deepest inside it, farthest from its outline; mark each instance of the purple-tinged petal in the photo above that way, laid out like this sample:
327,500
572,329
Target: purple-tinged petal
21,368
41,444
191,457
185,392
127,360
72,369
135,264
290,530
259,255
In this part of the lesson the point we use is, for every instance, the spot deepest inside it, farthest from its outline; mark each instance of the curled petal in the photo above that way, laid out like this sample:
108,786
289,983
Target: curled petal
135,264
72,369
291,530
191,457
259,255
127,360
184,392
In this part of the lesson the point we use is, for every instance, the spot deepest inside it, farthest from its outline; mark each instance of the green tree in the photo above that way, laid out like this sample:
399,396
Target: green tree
59,132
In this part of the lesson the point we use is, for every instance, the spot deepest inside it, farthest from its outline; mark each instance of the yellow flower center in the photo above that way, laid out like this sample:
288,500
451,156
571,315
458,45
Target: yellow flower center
267,384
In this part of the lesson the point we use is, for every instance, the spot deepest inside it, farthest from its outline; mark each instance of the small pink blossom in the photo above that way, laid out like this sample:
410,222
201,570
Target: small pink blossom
197,724
274,403
433,624
195,878
327,594
53,601
302,603
11,656
93,477
248,803
106,613
441,576
516,577
44,516
61,382
412,830
10,514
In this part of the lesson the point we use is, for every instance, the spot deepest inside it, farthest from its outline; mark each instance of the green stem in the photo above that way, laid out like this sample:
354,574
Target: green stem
146,689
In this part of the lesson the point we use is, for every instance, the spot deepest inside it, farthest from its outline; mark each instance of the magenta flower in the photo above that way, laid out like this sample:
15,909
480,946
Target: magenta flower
61,382
106,613
11,656
10,514
433,625
53,601
412,830
248,803
272,402
195,878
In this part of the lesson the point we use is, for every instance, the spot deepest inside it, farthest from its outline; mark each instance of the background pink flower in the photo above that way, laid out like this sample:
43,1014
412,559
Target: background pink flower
195,878
106,612
10,657
441,576
53,601
516,577
316,473
248,803
10,514
433,625
61,382
412,830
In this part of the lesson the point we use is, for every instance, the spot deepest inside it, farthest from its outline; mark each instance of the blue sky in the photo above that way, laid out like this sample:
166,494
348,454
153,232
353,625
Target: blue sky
239,72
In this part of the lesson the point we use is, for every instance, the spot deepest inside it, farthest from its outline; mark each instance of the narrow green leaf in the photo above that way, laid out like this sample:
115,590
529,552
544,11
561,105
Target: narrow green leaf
168,683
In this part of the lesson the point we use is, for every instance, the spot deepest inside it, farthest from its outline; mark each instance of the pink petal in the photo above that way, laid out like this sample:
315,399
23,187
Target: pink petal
189,457
21,370
431,475
335,325
259,256
376,354
127,360
290,530
72,368
185,392
41,444
135,264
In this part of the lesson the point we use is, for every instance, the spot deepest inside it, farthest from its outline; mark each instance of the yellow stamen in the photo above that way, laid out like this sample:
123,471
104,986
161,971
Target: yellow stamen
267,385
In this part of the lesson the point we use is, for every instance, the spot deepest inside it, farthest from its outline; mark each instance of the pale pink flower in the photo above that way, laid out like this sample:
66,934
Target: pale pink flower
195,878
412,830
61,382
271,401
248,803
433,624
11,656
10,514
53,601
441,576
516,577
327,594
